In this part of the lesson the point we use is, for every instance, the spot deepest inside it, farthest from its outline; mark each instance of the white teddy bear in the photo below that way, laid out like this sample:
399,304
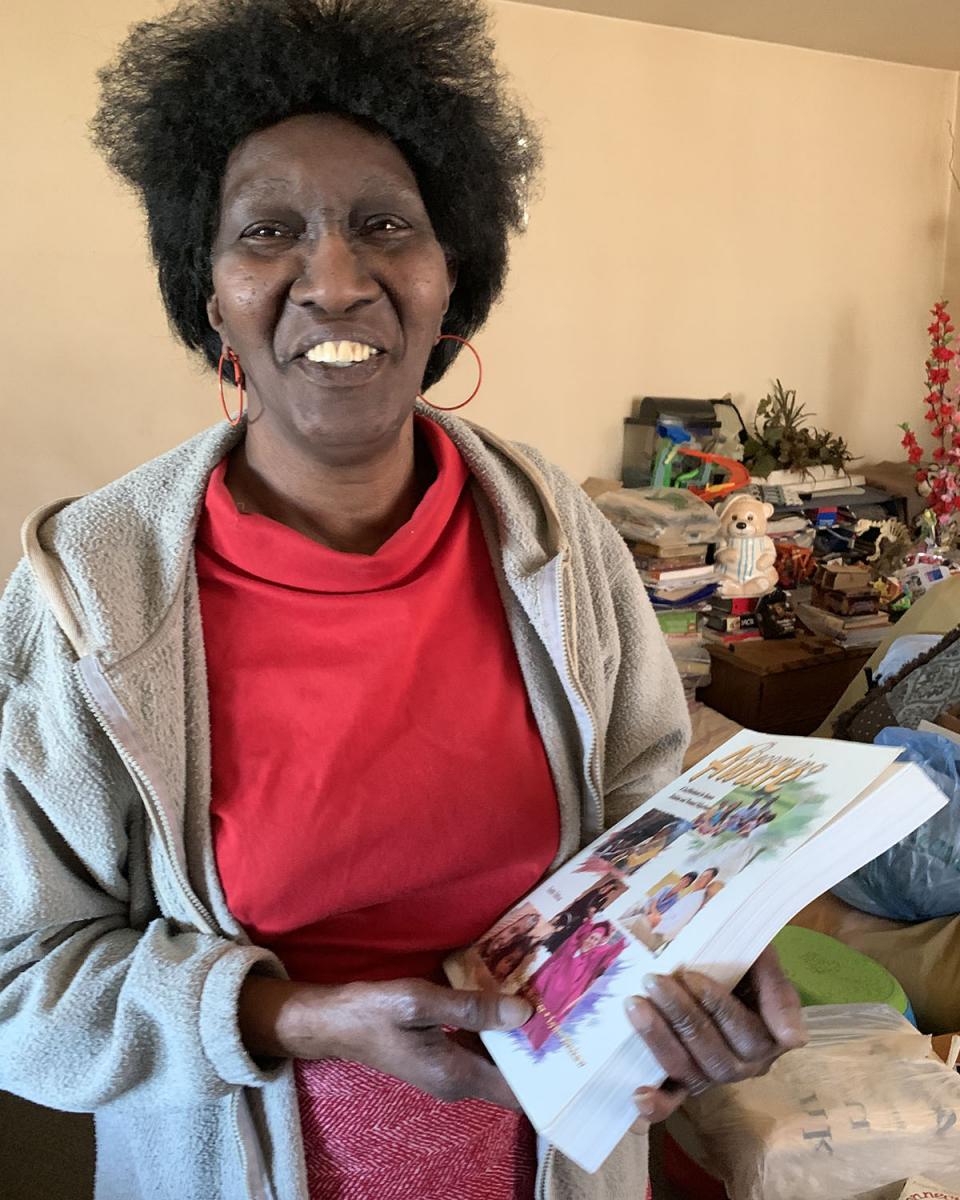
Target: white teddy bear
745,555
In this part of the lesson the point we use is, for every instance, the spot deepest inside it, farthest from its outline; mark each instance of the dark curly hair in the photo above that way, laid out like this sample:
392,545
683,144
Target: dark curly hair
187,88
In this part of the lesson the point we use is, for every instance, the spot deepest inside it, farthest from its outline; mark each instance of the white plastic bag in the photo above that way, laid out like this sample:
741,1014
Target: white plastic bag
659,515
864,1105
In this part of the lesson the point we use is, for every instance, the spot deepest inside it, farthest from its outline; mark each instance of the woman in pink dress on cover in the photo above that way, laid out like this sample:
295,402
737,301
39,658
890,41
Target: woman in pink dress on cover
562,981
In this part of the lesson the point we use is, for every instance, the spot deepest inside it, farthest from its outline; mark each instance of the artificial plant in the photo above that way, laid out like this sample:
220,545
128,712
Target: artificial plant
783,440
938,479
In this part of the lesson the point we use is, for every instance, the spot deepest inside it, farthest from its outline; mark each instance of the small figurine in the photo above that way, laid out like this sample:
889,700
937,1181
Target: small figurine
745,556
775,616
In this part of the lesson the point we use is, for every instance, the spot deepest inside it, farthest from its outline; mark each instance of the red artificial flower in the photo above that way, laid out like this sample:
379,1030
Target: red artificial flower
939,453
921,477
915,454
943,353
930,415
938,374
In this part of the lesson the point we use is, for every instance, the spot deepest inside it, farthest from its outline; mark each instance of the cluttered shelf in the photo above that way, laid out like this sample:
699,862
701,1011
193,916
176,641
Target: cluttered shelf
772,593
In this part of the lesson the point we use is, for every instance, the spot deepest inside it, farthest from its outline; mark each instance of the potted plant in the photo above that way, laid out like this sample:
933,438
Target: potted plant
783,439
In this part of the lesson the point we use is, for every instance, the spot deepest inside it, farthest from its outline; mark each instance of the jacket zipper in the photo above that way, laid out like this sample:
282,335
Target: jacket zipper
152,803
543,1170
593,783
592,774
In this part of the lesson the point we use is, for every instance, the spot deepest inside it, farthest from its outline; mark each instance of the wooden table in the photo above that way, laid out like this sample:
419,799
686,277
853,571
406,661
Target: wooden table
782,686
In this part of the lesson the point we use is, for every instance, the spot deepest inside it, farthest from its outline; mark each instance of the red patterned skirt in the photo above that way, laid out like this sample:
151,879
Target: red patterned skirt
368,1136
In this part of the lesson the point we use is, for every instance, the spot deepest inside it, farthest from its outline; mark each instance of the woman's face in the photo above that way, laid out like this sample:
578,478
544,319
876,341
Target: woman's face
324,250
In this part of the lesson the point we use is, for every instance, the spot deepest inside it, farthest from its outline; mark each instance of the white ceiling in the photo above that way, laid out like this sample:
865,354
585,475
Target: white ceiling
925,33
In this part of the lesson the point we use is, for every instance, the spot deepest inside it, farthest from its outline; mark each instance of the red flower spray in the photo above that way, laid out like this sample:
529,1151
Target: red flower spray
939,478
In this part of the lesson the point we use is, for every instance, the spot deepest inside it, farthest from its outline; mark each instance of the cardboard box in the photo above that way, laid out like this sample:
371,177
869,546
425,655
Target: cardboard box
731,624
840,578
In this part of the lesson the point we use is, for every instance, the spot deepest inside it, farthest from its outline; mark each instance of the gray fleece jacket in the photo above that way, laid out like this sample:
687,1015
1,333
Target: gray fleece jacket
120,963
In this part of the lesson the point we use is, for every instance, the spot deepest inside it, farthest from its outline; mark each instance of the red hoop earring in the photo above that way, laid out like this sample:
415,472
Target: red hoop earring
227,355
453,407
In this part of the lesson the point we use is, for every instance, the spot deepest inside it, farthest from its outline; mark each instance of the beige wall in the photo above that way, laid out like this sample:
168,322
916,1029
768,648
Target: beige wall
951,272
715,212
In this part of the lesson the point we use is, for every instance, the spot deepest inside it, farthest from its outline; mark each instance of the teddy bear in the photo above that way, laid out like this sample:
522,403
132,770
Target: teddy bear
745,556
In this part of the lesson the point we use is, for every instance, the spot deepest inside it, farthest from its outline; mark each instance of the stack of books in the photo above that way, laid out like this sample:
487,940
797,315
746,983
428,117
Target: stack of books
845,607
680,627
675,572
731,619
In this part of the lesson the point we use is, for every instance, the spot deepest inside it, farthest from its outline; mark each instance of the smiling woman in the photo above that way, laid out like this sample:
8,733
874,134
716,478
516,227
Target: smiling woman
297,709
330,287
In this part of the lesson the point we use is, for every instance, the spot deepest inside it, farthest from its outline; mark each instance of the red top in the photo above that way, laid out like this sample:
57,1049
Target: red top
380,791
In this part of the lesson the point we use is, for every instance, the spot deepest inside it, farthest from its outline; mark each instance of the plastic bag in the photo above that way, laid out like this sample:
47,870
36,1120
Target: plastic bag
659,515
864,1105
918,878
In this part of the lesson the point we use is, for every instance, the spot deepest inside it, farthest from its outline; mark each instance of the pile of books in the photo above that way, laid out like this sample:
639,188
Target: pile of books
845,607
680,627
731,619
674,572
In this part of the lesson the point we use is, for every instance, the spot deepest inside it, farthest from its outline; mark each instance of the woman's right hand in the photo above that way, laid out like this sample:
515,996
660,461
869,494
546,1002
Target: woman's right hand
396,1027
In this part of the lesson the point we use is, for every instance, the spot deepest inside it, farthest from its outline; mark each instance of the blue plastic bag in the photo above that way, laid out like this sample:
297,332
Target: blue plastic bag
918,878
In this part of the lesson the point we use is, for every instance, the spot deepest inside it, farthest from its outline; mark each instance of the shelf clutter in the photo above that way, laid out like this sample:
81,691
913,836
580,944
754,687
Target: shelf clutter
845,606
671,533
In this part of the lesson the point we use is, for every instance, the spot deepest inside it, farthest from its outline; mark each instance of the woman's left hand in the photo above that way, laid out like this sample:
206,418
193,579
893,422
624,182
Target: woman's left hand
703,1035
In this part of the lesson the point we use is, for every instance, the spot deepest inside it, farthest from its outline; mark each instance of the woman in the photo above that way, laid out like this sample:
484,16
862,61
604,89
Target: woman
555,989
685,907
584,908
646,851
505,952
662,901
299,707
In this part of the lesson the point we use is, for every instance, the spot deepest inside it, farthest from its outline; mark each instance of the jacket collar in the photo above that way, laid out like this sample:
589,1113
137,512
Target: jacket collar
112,564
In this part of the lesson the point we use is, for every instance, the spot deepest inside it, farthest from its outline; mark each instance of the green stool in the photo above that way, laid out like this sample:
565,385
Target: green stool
825,971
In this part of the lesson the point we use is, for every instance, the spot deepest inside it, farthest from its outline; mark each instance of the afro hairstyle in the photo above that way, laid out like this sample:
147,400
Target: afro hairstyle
187,88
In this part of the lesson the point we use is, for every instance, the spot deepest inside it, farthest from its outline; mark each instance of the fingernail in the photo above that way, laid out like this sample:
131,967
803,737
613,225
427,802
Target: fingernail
651,982
513,1012
794,1033
644,1106
638,1008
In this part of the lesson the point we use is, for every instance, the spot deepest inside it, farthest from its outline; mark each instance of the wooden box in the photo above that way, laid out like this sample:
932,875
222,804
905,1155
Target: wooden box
782,686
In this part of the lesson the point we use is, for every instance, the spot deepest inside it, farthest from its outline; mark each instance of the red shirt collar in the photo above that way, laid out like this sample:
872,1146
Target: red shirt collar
260,547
